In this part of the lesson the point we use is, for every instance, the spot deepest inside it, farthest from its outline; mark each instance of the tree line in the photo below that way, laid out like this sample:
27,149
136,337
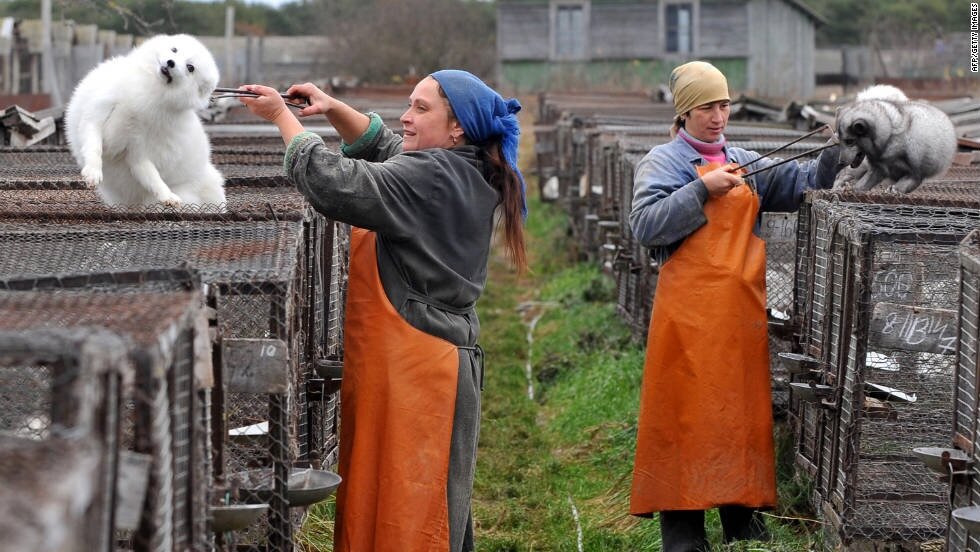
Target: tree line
373,40
377,39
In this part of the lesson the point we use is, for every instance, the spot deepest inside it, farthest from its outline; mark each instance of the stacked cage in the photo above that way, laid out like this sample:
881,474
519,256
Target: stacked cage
164,416
877,285
276,276
819,280
251,269
964,523
61,392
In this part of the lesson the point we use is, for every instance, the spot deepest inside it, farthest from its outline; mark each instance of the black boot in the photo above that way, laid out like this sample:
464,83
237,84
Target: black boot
741,523
683,531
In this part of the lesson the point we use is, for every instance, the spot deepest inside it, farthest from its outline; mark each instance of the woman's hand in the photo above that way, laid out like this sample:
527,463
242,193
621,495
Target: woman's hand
721,180
272,107
320,101
269,104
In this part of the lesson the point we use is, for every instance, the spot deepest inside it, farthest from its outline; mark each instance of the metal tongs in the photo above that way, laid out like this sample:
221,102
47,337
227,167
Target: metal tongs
238,93
788,159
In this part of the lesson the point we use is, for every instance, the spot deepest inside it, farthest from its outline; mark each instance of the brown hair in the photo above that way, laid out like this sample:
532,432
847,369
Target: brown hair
508,185
504,179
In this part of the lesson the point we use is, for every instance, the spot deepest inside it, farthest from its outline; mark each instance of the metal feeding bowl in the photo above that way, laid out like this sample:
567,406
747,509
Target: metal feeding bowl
235,516
811,392
884,393
932,457
330,368
969,516
797,363
305,486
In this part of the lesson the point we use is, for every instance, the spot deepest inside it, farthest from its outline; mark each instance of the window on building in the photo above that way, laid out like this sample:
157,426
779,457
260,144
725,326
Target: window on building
570,32
680,28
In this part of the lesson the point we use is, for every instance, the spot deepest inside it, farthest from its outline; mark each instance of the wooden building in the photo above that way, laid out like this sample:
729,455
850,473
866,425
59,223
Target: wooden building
765,47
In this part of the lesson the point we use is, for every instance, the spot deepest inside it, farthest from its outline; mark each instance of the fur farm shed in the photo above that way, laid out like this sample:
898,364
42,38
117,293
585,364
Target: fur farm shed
765,47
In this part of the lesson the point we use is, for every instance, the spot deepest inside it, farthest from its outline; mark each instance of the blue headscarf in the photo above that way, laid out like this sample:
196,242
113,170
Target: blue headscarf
484,114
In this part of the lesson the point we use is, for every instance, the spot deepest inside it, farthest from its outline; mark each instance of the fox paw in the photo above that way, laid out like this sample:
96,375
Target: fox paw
171,200
92,176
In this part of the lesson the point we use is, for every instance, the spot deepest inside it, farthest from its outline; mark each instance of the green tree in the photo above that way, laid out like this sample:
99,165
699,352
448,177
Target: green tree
887,23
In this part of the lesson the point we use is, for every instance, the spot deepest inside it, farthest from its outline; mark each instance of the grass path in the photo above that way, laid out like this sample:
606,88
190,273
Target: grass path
553,471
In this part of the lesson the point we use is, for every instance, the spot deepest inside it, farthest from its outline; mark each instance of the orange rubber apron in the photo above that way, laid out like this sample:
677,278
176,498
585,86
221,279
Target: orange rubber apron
397,401
704,436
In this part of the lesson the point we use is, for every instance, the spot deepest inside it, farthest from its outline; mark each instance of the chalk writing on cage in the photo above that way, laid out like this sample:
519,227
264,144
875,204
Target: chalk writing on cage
254,365
895,282
914,328
778,227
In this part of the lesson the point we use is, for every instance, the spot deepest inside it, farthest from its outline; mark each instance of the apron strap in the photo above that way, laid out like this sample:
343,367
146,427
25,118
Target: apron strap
479,355
416,296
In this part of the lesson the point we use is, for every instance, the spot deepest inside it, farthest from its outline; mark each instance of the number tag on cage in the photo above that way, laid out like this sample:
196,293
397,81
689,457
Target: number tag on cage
778,227
912,328
255,365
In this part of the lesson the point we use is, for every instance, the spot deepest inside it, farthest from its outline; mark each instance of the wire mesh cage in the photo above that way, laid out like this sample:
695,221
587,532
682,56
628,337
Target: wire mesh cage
878,324
819,266
255,275
964,533
20,171
160,314
310,305
60,397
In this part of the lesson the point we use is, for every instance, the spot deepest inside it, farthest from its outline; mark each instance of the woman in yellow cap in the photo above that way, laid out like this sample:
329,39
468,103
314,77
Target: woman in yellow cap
705,423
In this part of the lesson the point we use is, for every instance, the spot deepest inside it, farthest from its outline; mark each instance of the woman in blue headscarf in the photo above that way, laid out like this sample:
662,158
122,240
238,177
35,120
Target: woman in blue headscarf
423,206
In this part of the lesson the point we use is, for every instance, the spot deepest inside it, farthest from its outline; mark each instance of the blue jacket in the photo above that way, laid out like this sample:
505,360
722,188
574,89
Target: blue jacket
669,197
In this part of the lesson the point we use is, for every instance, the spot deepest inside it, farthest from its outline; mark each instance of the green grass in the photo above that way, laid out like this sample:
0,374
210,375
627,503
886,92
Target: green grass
573,444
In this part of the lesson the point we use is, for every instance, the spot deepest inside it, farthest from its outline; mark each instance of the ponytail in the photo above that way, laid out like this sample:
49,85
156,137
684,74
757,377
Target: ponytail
508,185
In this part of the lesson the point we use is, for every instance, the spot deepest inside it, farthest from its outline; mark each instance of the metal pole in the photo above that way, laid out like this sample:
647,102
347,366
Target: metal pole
229,36
49,82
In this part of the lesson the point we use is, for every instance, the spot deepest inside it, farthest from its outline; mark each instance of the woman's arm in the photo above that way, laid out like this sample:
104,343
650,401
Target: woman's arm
782,188
667,205
349,123
385,197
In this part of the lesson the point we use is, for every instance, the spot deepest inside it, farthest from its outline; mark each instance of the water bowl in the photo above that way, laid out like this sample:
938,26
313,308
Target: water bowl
932,457
797,363
304,486
884,393
969,516
811,392
235,516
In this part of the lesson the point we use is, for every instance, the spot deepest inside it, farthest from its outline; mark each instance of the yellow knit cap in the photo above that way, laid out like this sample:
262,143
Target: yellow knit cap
697,83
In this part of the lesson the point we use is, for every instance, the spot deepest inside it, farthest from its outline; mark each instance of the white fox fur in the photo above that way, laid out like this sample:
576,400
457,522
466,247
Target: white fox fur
133,128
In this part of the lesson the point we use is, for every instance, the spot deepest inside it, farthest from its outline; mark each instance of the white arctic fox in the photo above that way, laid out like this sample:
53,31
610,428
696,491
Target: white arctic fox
133,128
